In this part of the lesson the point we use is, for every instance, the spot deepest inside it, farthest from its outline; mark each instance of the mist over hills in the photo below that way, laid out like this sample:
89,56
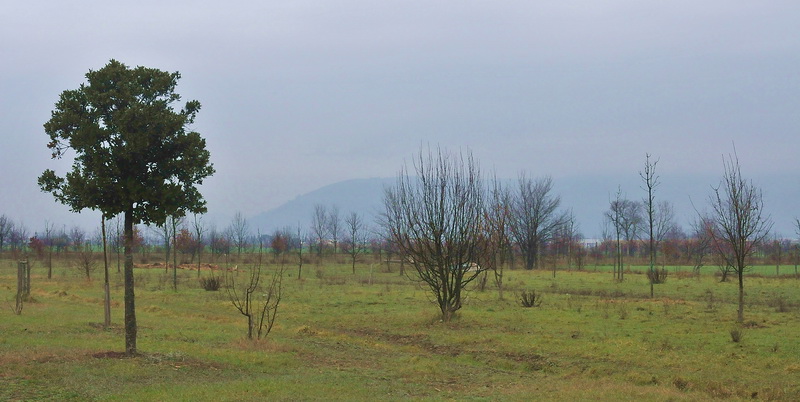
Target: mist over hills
364,196
588,196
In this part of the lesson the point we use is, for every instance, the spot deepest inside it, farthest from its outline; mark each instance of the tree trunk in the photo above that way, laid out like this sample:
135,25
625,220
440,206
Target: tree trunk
199,251
530,257
740,313
130,309
106,288
50,259
174,254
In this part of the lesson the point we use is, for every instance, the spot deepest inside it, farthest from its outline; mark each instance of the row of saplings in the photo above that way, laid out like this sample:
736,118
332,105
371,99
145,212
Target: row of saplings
258,296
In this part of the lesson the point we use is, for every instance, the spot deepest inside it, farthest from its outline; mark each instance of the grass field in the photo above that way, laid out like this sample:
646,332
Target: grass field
376,335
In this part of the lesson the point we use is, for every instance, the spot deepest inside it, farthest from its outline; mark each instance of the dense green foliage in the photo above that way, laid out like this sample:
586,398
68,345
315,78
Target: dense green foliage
132,149
133,155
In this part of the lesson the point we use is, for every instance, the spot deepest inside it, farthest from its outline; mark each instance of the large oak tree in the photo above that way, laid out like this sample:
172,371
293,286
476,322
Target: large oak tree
133,155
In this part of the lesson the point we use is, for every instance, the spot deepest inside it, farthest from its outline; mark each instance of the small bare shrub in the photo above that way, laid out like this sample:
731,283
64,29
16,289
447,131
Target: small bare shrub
780,305
657,276
622,311
680,384
141,280
85,261
737,334
211,283
334,280
258,303
530,299
710,301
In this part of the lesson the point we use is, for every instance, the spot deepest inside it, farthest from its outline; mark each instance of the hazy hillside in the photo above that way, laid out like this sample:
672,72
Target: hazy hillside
360,195
587,196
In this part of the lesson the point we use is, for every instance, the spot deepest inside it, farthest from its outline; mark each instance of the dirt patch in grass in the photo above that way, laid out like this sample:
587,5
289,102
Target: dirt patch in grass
112,355
173,360
25,357
530,361
419,340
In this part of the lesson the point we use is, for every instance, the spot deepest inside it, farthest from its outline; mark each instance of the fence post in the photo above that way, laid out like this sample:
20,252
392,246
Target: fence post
20,287
27,277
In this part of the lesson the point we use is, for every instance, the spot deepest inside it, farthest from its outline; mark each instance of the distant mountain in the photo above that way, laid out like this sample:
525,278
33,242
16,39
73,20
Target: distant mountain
364,196
588,196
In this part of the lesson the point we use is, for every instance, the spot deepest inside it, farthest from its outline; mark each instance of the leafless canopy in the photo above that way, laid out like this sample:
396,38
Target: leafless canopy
239,231
319,226
534,216
356,238
334,223
6,225
435,219
739,223
497,240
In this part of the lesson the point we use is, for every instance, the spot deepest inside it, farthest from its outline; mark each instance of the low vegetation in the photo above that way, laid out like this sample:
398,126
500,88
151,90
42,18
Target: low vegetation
375,335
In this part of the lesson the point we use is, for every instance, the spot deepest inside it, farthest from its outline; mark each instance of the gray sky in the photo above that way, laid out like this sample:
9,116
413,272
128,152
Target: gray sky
300,94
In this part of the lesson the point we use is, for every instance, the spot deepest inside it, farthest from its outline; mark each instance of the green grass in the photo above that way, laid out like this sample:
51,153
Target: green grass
377,336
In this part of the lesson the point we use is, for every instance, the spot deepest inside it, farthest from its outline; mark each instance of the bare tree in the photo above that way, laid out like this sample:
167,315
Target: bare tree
651,181
334,227
199,230
631,223
625,216
174,222
497,217
216,242
777,248
48,238
739,222
259,304
796,248
77,237
319,226
700,242
665,221
164,233
6,225
614,217
239,232
797,226
86,260
434,215
534,216
356,239
299,252
18,237
566,240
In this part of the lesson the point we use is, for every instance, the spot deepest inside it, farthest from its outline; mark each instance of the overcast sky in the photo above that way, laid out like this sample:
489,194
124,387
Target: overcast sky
300,94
